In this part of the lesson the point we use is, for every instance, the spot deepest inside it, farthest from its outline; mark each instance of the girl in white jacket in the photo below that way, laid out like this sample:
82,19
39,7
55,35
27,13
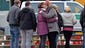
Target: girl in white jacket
69,21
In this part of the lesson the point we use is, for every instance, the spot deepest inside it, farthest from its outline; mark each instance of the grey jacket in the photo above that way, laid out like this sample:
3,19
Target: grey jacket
13,14
69,19
52,26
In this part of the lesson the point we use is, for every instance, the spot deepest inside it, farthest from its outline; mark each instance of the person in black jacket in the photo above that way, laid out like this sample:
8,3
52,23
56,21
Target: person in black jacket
27,22
82,22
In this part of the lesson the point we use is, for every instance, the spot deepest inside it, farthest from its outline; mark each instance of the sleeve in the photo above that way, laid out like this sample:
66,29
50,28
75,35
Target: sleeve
34,20
50,14
81,18
60,20
8,18
19,16
17,13
74,20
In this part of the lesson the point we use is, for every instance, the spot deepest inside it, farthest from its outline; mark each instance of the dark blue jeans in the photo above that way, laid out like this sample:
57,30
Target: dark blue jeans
42,41
84,37
14,30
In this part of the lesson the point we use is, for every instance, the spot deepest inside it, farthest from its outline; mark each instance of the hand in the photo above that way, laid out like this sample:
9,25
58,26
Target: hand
40,11
56,18
61,28
43,9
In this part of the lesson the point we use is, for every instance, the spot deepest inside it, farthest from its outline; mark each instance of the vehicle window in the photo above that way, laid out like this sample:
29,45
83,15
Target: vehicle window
75,8
34,6
60,5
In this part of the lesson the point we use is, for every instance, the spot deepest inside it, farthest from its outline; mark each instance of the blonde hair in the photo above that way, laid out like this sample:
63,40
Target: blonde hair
67,9
55,6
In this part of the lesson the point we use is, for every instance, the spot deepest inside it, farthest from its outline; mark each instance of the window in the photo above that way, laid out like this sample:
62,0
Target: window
34,6
60,5
4,5
75,8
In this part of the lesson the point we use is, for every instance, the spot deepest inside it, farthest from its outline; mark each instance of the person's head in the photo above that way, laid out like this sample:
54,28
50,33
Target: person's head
27,4
47,3
17,2
42,5
55,7
67,9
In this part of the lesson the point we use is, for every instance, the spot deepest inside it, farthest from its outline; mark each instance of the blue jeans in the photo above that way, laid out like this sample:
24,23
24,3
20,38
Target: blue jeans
42,41
84,37
14,30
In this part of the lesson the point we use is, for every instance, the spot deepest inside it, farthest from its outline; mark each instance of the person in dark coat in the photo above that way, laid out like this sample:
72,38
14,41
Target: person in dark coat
82,22
13,23
27,22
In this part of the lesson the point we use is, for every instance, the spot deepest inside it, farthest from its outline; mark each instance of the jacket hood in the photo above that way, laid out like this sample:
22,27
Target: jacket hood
67,15
25,10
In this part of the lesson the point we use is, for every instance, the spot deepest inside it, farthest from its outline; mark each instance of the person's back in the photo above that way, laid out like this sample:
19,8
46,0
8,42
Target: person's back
13,23
68,19
12,16
26,19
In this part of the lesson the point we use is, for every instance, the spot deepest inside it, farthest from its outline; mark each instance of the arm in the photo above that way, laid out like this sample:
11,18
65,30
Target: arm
34,20
74,20
19,16
50,14
60,20
8,18
17,13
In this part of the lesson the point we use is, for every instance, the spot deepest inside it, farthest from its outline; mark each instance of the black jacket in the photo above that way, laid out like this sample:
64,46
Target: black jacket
82,18
60,21
27,19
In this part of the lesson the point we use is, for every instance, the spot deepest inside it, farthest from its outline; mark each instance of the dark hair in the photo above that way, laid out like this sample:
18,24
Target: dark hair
40,5
27,3
17,1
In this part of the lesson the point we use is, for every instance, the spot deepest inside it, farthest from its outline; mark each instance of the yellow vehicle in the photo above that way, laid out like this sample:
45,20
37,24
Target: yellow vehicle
81,1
